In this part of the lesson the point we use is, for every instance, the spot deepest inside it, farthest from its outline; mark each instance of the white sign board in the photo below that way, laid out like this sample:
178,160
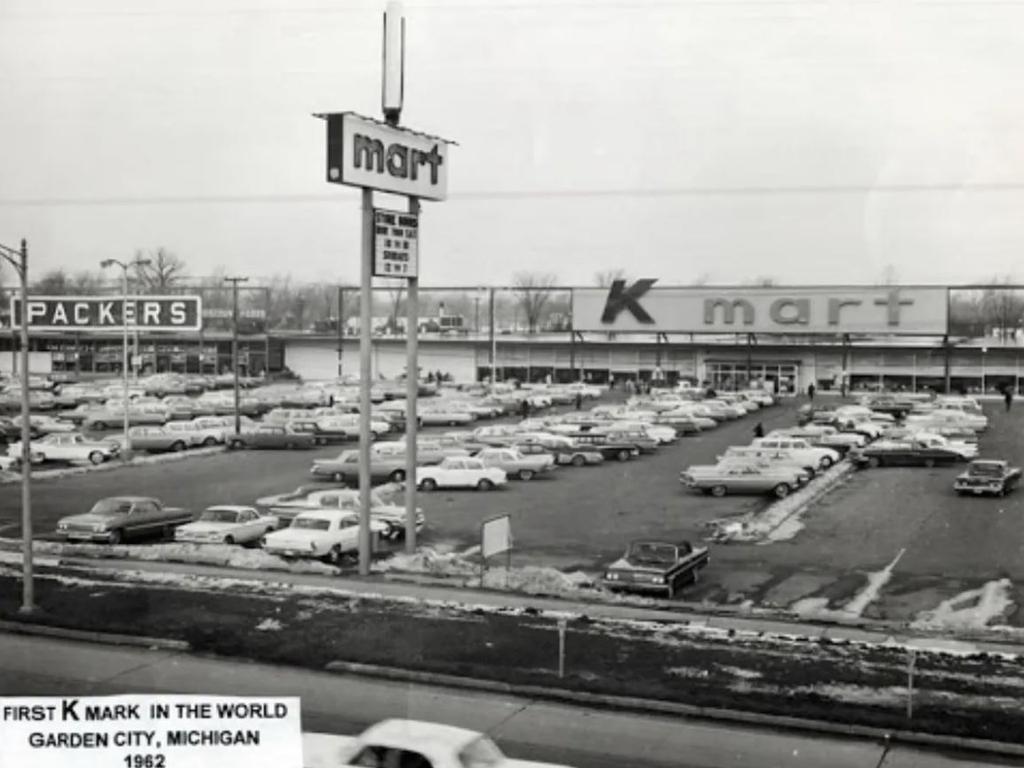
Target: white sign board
151,731
366,153
395,244
641,307
496,536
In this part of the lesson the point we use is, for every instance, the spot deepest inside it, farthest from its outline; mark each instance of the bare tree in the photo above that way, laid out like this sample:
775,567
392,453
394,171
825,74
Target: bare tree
57,282
1002,306
164,270
533,291
395,292
605,277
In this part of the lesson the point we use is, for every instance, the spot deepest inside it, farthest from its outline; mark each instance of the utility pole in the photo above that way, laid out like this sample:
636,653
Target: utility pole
138,262
494,344
19,260
234,342
341,325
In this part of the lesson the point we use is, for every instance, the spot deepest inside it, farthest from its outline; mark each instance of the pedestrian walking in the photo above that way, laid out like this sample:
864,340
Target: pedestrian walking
524,409
579,401
1008,397
759,430
810,391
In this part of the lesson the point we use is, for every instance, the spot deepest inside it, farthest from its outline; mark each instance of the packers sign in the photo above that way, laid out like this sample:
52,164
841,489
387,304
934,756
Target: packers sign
149,313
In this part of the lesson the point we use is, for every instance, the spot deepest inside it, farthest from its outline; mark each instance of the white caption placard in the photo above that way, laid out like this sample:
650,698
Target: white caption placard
158,731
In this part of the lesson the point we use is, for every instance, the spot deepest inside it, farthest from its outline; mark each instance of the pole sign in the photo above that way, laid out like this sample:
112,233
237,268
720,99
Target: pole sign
395,244
150,313
366,153
639,307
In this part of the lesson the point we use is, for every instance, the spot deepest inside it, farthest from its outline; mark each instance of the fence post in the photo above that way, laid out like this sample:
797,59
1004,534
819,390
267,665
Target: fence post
562,624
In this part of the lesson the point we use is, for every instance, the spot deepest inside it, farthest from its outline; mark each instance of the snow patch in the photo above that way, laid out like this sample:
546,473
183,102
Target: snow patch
537,580
746,674
269,625
974,609
817,607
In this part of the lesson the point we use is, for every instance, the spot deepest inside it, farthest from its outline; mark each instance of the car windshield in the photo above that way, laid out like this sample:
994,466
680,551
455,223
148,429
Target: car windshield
219,516
647,552
311,524
110,507
481,753
986,470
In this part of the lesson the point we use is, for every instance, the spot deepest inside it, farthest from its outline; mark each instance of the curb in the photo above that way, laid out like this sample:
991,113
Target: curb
83,635
654,706
107,466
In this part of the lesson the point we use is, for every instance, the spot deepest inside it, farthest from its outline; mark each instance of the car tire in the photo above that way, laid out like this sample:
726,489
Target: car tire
484,485
781,490
177,446
289,446
229,540
397,476
525,474
874,462
210,441
116,536
826,462
718,491
428,484
96,457
236,445
334,555
622,455
578,461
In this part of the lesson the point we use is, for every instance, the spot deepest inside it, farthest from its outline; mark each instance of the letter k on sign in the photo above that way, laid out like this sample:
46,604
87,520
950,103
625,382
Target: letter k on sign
620,297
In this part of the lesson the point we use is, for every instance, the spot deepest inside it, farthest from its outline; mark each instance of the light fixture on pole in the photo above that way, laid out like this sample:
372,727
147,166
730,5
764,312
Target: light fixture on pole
234,343
19,260
126,448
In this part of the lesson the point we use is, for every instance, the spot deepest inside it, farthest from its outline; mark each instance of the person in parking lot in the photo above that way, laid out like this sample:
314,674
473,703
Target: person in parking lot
1008,397
810,391
579,401
759,430
524,409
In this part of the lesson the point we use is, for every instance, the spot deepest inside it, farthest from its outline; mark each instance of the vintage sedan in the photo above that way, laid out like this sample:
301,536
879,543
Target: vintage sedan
741,477
460,472
576,456
412,743
70,447
656,566
444,415
606,446
227,524
987,476
324,534
120,518
902,453
382,509
516,464
344,468
156,440
271,436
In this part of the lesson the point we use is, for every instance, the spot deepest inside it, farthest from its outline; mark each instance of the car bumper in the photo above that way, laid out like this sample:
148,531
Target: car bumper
96,537
977,490
615,585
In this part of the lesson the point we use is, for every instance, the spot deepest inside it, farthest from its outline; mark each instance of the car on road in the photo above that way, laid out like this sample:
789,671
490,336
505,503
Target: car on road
460,472
516,464
741,477
323,534
411,744
906,453
656,566
227,524
271,436
347,499
120,518
69,446
987,476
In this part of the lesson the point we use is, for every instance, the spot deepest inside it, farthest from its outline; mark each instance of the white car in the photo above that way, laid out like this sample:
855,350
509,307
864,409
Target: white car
349,423
691,412
965,449
46,425
801,450
10,463
70,446
663,433
345,499
460,472
412,743
324,535
948,417
442,415
497,434
823,435
775,456
227,524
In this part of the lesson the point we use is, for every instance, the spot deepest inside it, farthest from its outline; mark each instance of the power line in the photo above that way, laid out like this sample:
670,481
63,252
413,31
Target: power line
530,194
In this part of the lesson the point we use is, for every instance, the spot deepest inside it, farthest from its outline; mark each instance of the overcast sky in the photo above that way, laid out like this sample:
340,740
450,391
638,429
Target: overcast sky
814,142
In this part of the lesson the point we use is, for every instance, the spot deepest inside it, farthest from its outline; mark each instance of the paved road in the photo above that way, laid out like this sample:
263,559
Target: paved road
523,728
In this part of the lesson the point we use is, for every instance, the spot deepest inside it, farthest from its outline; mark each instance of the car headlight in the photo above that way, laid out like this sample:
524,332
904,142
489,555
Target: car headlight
99,528
62,526
611,576
657,579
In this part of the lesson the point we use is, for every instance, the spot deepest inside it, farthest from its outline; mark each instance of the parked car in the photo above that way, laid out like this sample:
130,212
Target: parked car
571,455
989,476
344,468
70,446
391,515
608,448
774,456
738,477
516,464
442,415
156,440
822,436
120,518
324,534
227,524
902,453
460,472
656,566
801,449
271,436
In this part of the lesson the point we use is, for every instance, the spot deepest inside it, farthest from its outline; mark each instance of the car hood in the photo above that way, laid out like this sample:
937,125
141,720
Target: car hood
87,519
624,564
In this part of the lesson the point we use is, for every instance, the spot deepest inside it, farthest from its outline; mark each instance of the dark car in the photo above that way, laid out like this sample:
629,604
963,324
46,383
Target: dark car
610,449
987,476
322,435
271,436
911,453
656,566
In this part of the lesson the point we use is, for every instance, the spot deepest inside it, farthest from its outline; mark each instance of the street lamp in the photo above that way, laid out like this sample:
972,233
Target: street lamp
126,449
19,260
234,342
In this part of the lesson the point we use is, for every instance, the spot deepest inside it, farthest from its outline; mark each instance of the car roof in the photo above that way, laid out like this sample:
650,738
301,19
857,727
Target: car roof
325,514
418,734
231,508
131,499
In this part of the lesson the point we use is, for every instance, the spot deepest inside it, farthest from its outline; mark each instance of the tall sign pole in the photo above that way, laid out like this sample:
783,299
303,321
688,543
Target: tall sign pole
380,155
234,347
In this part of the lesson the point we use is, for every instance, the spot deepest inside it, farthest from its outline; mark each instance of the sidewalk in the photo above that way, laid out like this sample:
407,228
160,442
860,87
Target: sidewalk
700,618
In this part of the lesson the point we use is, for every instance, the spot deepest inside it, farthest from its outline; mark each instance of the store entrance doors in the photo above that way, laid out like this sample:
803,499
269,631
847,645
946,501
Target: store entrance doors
731,376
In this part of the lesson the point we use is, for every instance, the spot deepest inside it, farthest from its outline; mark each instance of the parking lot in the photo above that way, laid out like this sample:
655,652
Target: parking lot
886,543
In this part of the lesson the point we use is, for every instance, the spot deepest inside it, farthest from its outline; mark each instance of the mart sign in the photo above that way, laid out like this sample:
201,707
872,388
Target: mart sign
151,313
